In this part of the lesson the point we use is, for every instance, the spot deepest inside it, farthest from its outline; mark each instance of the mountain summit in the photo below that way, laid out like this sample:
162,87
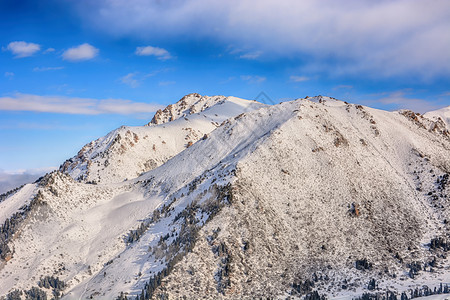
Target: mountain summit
188,105
443,113
310,198
127,152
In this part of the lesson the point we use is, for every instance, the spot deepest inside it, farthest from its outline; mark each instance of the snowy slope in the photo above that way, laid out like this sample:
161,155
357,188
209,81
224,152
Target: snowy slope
129,151
443,113
218,153
249,134
17,200
267,203
291,218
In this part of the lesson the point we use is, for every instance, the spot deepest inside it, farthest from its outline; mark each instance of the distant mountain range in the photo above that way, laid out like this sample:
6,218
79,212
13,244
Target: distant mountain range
224,198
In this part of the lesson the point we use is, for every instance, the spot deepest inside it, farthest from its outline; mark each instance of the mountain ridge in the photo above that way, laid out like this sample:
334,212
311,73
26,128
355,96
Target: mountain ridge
443,113
304,196
128,151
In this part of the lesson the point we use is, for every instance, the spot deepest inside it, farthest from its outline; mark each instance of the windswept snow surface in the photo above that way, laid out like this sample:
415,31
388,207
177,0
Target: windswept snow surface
267,201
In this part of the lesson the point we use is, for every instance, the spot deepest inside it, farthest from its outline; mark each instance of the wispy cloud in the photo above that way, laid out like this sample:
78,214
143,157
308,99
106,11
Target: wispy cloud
22,49
49,50
43,69
9,74
343,87
400,100
243,52
251,55
68,105
253,78
229,79
160,53
40,126
80,53
130,79
134,79
36,171
298,78
166,83
65,89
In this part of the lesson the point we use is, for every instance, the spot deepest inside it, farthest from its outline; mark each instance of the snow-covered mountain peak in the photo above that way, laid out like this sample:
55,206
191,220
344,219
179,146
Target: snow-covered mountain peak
429,122
191,104
327,101
443,113
126,152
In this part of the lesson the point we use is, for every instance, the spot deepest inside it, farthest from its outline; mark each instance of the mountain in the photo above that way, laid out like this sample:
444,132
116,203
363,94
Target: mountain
443,113
309,198
127,152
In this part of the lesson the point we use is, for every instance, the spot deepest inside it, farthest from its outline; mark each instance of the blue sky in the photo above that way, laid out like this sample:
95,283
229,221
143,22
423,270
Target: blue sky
71,71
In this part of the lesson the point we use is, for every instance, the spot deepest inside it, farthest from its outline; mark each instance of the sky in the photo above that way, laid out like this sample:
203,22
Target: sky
73,70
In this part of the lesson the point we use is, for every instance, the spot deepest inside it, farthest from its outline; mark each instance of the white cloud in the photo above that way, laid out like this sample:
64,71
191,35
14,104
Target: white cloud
400,100
166,83
43,69
49,50
160,53
72,105
130,80
12,179
253,78
374,38
9,74
80,53
135,79
23,49
298,78
244,52
251,55
35,171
